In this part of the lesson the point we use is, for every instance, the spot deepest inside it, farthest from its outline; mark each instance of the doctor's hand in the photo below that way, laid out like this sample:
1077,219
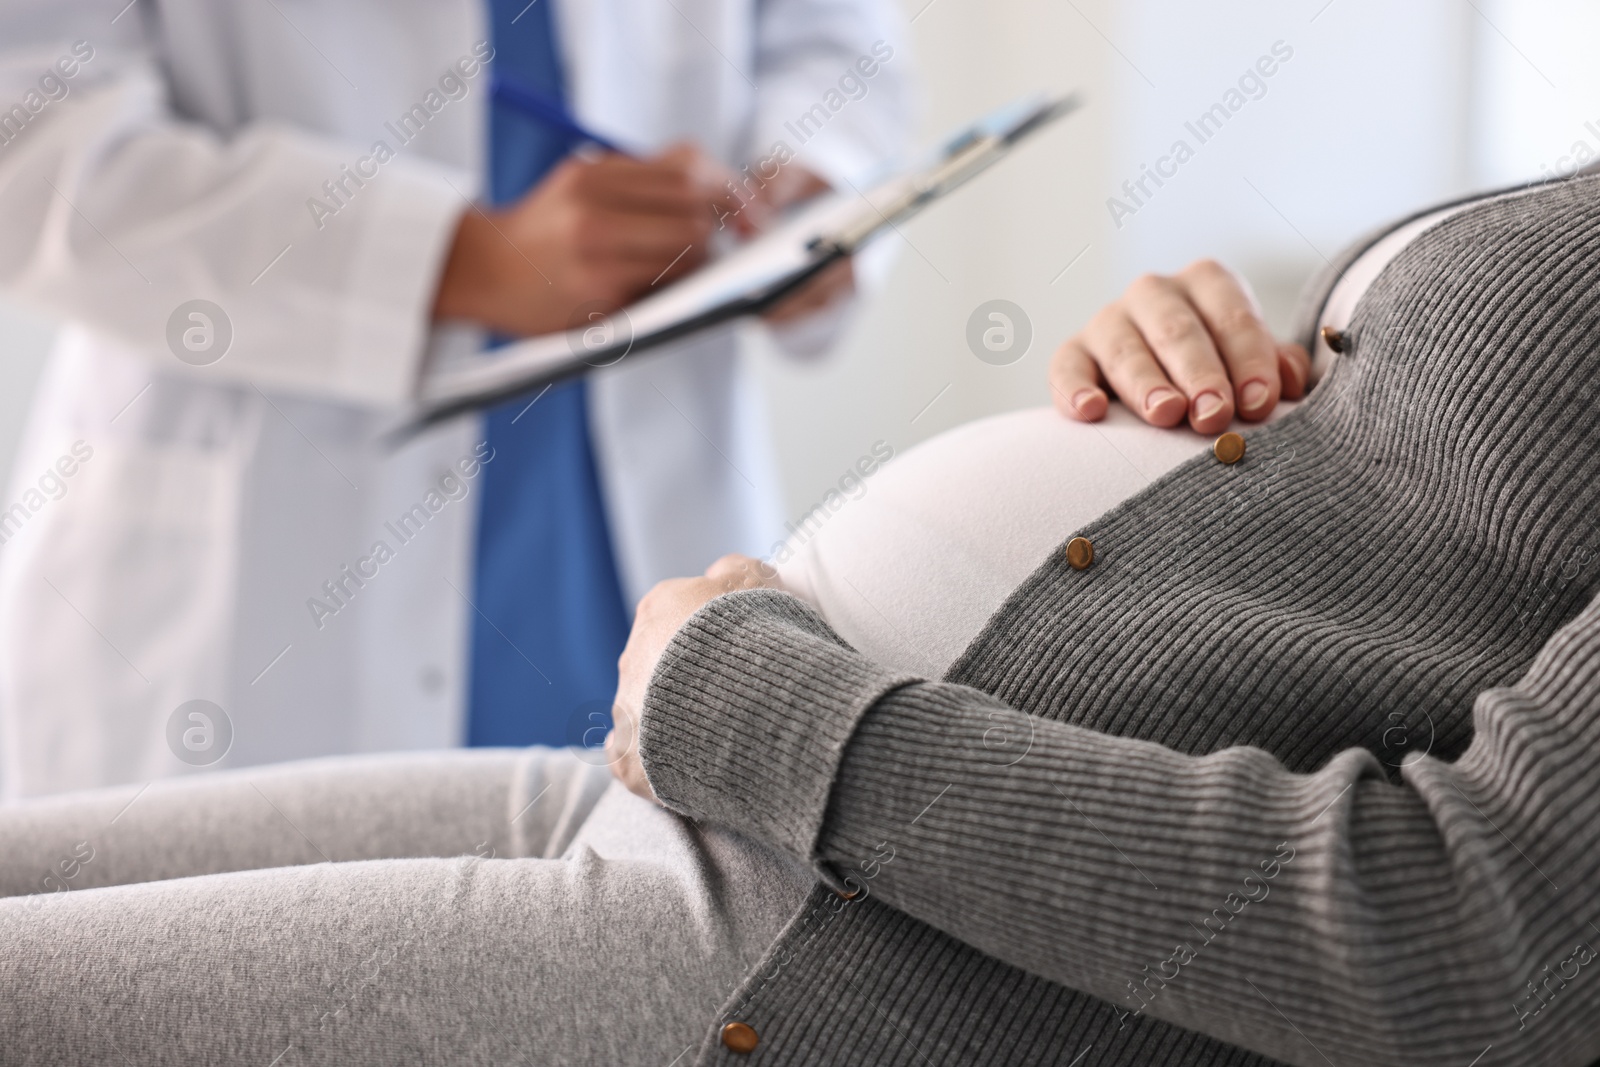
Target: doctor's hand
597,230
835,282
1187,346
762,209
660,615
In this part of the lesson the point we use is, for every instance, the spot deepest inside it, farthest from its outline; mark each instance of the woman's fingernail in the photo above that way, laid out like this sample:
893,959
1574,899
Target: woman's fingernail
1207,405
1296,379
1254,395
1157,397
1082,397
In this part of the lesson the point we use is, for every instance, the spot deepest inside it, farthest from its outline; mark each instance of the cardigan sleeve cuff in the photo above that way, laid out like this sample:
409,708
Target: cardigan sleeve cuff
748,714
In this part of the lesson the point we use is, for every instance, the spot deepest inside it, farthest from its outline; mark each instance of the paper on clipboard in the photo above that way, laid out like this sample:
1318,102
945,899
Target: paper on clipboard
745,281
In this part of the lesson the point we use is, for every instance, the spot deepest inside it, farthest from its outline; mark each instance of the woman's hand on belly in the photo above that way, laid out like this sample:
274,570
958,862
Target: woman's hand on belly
1189,345
660,615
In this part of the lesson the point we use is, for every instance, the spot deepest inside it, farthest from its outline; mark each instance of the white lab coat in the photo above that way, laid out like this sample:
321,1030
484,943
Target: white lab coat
177,562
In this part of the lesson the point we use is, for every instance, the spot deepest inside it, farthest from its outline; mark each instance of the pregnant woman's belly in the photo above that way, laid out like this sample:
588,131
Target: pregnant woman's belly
909,572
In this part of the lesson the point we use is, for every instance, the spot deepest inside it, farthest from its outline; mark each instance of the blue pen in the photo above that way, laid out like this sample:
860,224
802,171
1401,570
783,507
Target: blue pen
536,105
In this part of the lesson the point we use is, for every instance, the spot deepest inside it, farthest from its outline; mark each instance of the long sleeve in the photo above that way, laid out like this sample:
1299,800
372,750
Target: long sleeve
836,90
1328,917
119,211
814,93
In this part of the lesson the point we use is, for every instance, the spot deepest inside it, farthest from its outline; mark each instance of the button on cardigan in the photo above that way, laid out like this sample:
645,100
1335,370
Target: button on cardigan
1359,824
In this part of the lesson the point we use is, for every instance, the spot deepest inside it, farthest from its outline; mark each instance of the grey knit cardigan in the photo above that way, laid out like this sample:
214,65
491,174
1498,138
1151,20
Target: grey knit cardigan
1303,768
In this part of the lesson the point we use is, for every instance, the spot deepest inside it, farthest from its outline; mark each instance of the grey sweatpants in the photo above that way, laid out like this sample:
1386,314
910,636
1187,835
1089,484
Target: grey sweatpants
484,906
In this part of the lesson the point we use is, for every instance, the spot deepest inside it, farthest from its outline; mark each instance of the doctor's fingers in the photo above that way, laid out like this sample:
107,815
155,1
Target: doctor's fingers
615,283
832,284
667,186
639,238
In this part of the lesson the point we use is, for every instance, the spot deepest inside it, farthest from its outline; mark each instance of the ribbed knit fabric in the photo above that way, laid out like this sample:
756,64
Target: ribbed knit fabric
1304,764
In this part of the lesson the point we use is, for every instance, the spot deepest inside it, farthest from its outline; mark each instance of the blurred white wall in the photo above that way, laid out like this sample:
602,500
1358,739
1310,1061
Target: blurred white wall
1537,90
1382,107
24,338
1364,118
1027,231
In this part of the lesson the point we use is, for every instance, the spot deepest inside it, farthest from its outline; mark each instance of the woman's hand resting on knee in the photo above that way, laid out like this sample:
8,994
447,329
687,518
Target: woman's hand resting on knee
1189,345
660,615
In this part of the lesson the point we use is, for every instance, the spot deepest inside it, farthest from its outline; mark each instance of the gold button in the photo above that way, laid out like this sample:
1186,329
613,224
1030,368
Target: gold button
1080,553
739,1037
1229,448
847,896
1334,339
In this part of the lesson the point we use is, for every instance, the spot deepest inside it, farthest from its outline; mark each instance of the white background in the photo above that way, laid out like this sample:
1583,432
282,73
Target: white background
1383,107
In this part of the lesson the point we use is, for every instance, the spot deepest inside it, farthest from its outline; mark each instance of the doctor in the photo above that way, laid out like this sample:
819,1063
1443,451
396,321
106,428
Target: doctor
258,221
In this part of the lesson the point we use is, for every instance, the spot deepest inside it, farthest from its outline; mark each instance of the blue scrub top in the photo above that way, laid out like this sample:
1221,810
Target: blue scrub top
550,619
